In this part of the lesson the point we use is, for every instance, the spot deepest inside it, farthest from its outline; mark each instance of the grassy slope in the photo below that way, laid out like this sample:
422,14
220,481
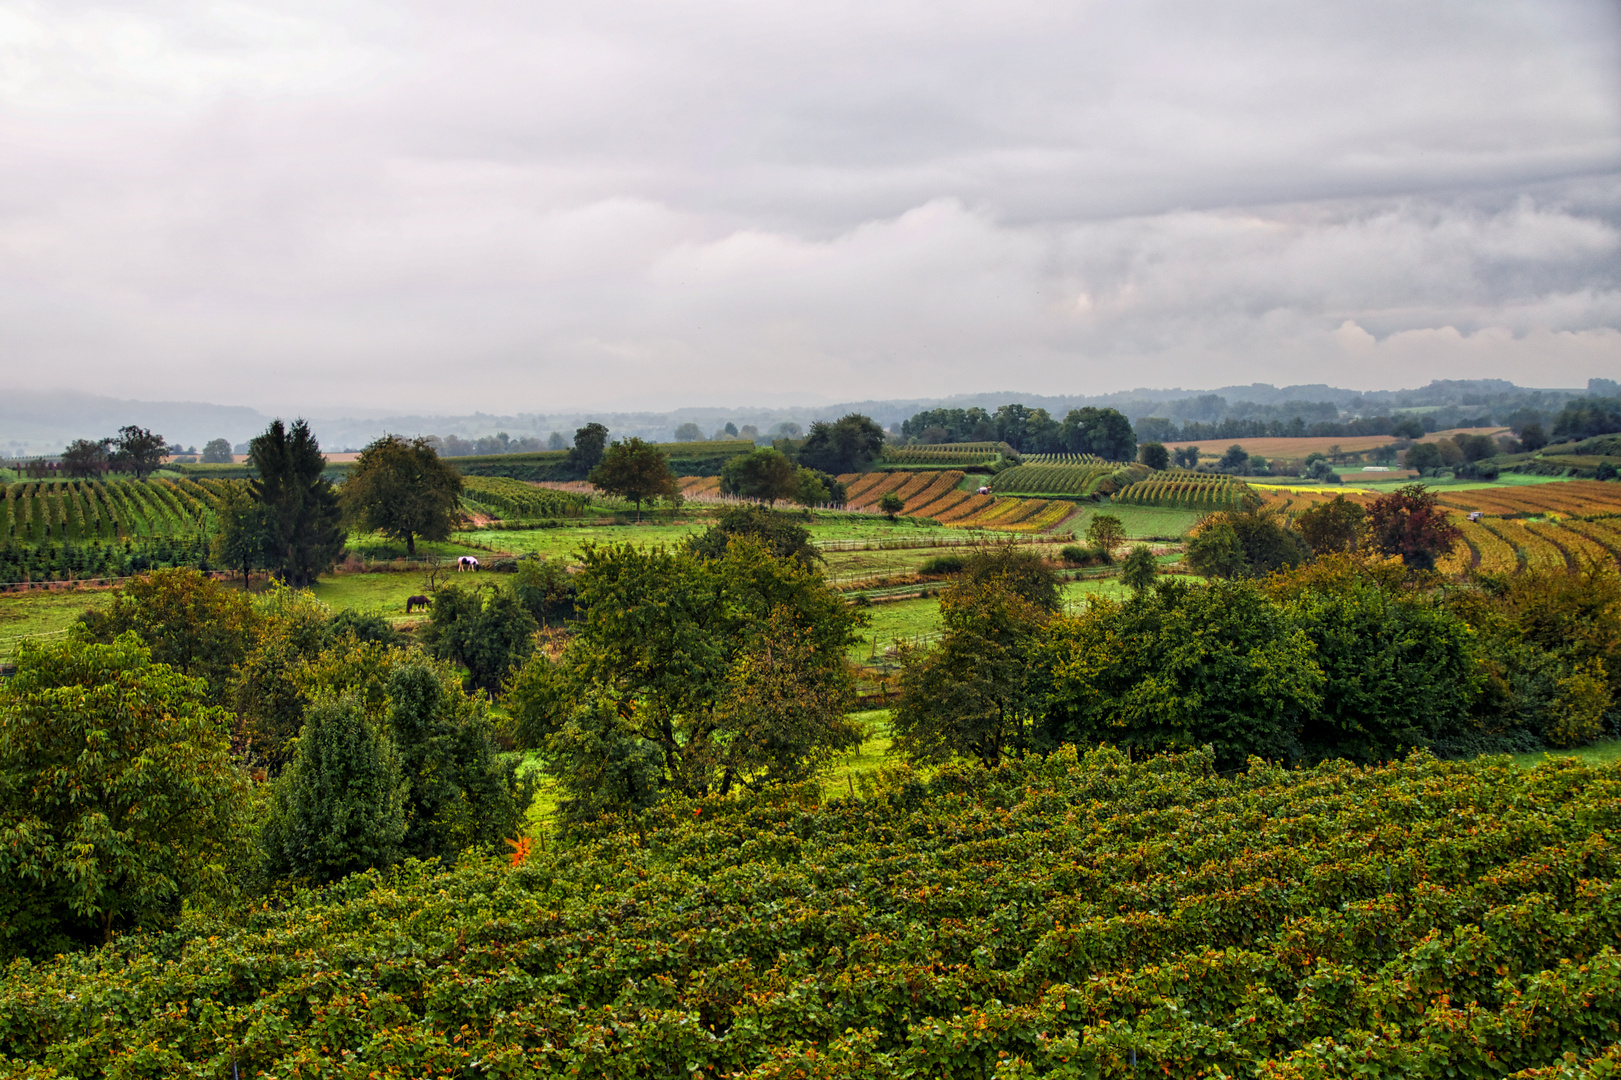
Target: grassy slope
1601,753
43,613
1141,522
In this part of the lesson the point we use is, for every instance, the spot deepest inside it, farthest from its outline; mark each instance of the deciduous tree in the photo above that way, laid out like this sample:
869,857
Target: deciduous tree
118,795
683,672
847,446
217,452
1248,543
84,458
1154,455
139,451
1103,432
1181,667
488,631
1408,522
1400,671
778,533
1021,569
1140,569
635,470
458,792
403,490
339,807
766,475
1105,533
973,693
1333,526
590,442
244,533
188,620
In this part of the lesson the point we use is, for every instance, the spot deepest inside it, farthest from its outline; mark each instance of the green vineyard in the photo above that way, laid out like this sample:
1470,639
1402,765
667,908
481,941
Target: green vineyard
1077,480
945,454
52,530
46,511
504,498
56,530
1184,490
1060,918
1065,459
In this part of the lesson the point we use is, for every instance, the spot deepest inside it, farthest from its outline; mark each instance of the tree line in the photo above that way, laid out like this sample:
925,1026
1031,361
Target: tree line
1105,433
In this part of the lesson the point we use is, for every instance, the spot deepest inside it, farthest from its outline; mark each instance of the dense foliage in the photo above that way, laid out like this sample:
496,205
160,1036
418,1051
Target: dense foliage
303,514
402,489
690,674
1063,918
118,794
635,470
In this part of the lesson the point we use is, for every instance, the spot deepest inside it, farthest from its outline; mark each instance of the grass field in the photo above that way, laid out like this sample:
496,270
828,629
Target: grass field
551,543
381,593
37,613
379,548
1451,484
1602,753
1141,522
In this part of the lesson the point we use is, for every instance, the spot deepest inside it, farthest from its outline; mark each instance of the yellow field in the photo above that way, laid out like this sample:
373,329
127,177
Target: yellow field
1299,448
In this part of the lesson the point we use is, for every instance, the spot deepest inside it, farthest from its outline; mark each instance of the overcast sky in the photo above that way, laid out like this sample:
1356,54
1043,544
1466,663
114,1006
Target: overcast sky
517,206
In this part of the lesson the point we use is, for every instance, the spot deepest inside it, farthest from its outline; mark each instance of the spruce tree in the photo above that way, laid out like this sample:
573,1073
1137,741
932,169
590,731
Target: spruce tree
305,520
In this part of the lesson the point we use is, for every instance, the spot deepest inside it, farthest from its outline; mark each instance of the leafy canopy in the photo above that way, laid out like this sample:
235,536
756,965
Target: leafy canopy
1180,667
118,794
973,694
846,446
635,470
187,620
765,474
691,675
1410,523
403,490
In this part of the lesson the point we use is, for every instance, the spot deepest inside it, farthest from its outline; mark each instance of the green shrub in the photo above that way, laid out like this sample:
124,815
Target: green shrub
340,806
943,564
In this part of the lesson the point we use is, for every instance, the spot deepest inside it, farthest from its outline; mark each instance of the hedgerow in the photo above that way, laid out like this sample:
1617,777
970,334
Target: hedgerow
1055,917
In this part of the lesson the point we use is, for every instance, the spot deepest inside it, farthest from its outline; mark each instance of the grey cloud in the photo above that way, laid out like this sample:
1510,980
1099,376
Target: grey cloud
642,204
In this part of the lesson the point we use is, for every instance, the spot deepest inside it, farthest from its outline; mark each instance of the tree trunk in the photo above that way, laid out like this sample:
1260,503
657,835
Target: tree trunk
411,544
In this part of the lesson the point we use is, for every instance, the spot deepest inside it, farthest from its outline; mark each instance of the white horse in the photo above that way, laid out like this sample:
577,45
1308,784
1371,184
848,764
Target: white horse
466,562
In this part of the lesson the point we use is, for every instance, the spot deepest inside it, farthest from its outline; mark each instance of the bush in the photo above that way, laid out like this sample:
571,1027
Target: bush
1181,667
943,564
489,635
1076,555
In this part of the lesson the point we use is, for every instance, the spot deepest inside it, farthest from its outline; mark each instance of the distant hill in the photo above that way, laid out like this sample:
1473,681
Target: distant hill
43,422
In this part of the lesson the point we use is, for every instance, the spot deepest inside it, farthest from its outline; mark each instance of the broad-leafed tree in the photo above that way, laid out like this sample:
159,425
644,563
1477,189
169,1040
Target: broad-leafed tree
635,470
403,490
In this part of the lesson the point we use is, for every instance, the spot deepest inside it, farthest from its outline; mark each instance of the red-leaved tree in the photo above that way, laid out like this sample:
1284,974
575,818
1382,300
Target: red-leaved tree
1407,522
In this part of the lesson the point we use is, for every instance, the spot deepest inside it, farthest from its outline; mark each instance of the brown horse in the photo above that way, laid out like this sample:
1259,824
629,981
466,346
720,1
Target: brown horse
416,602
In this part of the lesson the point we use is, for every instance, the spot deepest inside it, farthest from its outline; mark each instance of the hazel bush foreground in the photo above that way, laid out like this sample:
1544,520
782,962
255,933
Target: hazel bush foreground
1057,918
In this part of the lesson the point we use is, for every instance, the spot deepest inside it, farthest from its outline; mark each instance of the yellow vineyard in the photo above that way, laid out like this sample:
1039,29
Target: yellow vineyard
1572,524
